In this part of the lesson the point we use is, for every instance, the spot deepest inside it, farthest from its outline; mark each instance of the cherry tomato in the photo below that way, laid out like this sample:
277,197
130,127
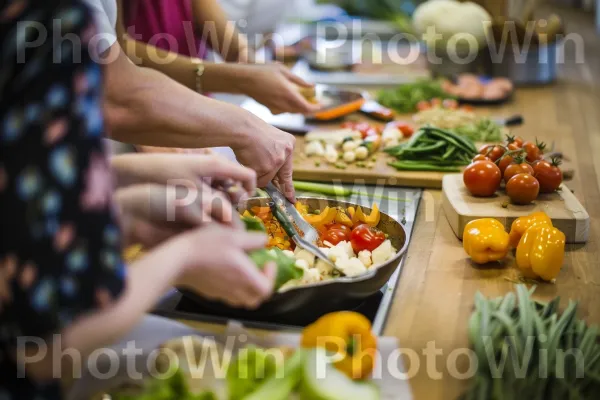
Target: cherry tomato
423,105
533,151
467,108
404,127
436,102
522,188
515,169
516,141
482,178
504,162
548,175
480,157
340,227
513,146
485,148
496,152
450,104
334,236
365,237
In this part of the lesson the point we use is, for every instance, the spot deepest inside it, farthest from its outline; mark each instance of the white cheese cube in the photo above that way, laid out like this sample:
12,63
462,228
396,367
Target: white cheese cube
305,256
351,266
365,258
383,253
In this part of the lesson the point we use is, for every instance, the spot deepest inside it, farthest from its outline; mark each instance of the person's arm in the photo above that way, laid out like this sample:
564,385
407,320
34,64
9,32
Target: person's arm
146,107
226,40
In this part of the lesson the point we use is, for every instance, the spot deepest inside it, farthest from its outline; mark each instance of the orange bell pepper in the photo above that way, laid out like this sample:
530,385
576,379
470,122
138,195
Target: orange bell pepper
522,224
359,217
302,208
343,218
349,336
485,240
541,252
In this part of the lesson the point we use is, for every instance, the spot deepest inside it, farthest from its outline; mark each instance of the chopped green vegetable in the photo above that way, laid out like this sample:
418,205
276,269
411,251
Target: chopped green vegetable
286,266
281,388
485,130
248,370
404,98
337,191
254,224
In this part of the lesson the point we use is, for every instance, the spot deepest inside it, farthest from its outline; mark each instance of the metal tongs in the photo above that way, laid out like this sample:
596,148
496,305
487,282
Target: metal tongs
289,218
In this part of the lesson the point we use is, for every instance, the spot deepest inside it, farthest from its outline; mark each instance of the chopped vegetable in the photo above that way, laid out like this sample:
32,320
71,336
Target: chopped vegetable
286,266
253,224
281,387
541,252
405,98
248,370
485,240
348,335
326,216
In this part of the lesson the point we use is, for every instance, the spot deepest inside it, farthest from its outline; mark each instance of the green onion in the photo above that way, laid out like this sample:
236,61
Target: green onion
337,191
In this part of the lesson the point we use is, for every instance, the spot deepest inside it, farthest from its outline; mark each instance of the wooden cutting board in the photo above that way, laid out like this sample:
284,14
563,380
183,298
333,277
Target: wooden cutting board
562,207
306,170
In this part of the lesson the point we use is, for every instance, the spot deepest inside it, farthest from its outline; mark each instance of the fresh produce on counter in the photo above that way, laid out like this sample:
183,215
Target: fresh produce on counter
350,336
528,349
522,166
450,18
461,120
255,373
349,238
485,240
470,87
354,144
540,247
433,149
405,98
394,11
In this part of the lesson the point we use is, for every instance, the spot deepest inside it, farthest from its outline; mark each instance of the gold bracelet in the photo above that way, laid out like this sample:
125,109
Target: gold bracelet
199,72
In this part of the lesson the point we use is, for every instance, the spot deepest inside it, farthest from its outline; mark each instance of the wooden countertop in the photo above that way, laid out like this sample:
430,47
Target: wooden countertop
438,283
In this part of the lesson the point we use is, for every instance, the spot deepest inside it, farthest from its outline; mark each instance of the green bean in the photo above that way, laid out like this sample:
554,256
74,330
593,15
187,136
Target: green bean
450,140
425,149
468,143
449,153
402,166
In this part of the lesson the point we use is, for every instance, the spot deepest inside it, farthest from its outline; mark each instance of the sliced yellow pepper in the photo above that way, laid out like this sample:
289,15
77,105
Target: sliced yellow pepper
343,218
373,218
485,240
326,216
351,211
522,224
358,217
541,252
247,214
302,208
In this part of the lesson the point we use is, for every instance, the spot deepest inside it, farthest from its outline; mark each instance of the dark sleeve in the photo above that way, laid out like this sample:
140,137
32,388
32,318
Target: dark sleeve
60,251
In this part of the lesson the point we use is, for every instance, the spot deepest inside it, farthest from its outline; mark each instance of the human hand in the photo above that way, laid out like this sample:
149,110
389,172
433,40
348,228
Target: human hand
277,88
269,152
189,170
151,213
217,266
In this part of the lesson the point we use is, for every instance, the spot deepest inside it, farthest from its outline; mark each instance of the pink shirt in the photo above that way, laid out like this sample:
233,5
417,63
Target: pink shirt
166,24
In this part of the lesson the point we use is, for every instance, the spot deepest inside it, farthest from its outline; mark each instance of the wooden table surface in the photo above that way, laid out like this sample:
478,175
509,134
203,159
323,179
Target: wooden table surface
438,283
436,290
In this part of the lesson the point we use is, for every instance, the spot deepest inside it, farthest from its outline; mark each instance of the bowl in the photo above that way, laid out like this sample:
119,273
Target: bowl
325,296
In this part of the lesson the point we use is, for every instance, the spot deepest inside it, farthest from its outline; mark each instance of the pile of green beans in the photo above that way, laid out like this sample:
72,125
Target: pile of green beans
536,346
433,149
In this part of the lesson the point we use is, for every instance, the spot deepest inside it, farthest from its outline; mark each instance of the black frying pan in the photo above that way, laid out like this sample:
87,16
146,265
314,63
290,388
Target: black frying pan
325,296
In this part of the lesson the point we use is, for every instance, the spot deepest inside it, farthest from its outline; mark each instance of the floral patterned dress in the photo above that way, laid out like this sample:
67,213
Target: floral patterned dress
60,247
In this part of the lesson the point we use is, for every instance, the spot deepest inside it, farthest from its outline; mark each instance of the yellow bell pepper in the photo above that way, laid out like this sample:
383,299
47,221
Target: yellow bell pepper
326,216
485,240
358,216
247,214
522,224
343,218
373,218
351,211
348,335
541,252
302,208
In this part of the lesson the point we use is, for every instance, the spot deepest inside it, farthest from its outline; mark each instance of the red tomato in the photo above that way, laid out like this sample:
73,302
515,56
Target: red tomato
482,178
533,151
492,151
548,175
406,128
522,189
365,237
515,169
340,227
450,104
485,148
436,102
480,157
334,236
504,162
423,105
